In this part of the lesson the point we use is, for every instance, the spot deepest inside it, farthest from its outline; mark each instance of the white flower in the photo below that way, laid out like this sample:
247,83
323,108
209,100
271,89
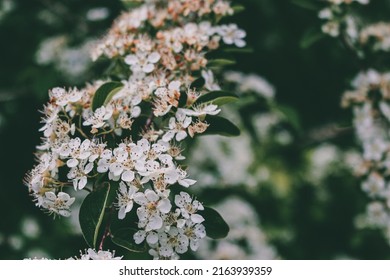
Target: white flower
210,83
174,240
151,209
177,126
79,174
231,34
202,110
62,97
325,13
178,175
142,62
374,185
373,150
331,28
151,237
58,204
98,118
125,199
91,254
189,207
194,232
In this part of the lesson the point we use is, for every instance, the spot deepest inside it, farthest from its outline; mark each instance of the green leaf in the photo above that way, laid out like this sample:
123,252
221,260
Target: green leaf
131,4
198,83
220,62
238,9
221,126
105,93
307,4
311,37
217,97
124,238
215,225
92,212
238,50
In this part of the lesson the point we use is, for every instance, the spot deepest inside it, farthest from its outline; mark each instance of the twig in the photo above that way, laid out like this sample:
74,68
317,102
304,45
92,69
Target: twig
106,230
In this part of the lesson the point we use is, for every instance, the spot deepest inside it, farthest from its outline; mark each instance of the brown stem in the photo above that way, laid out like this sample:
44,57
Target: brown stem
149,121
106,230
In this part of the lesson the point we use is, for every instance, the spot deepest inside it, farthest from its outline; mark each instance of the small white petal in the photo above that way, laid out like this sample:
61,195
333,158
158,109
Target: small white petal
128,176
140,198
131,59
82,183
148,68
88,168
197,219
139,236
151,195
155,222
72,162
181,135
154,57
122,213
164,205
152,238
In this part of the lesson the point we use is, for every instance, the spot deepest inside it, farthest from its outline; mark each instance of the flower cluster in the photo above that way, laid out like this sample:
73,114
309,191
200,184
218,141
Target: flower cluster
132,138
370,103
244,229
336,21
379,34
230,163
91,254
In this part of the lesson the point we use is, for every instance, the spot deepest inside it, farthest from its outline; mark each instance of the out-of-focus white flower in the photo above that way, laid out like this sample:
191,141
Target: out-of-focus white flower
243,223
210,83
231,34
142,62
202,110
97,14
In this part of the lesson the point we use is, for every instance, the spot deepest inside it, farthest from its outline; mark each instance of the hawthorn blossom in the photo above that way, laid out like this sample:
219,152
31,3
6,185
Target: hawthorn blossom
189,207
202,110
79,174
374,185
98,119
57,204
195,232
125,199
175,240
142,62
152,206
130,138
177,127
231,34
92,254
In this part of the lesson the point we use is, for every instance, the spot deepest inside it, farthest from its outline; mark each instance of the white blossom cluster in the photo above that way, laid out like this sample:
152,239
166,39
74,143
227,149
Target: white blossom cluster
233,163
90,254
244,229
251,83
6,6
83,145
379,33
73,61
370,103
335,19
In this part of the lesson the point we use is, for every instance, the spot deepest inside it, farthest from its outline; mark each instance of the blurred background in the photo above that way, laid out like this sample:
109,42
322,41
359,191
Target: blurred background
285,186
